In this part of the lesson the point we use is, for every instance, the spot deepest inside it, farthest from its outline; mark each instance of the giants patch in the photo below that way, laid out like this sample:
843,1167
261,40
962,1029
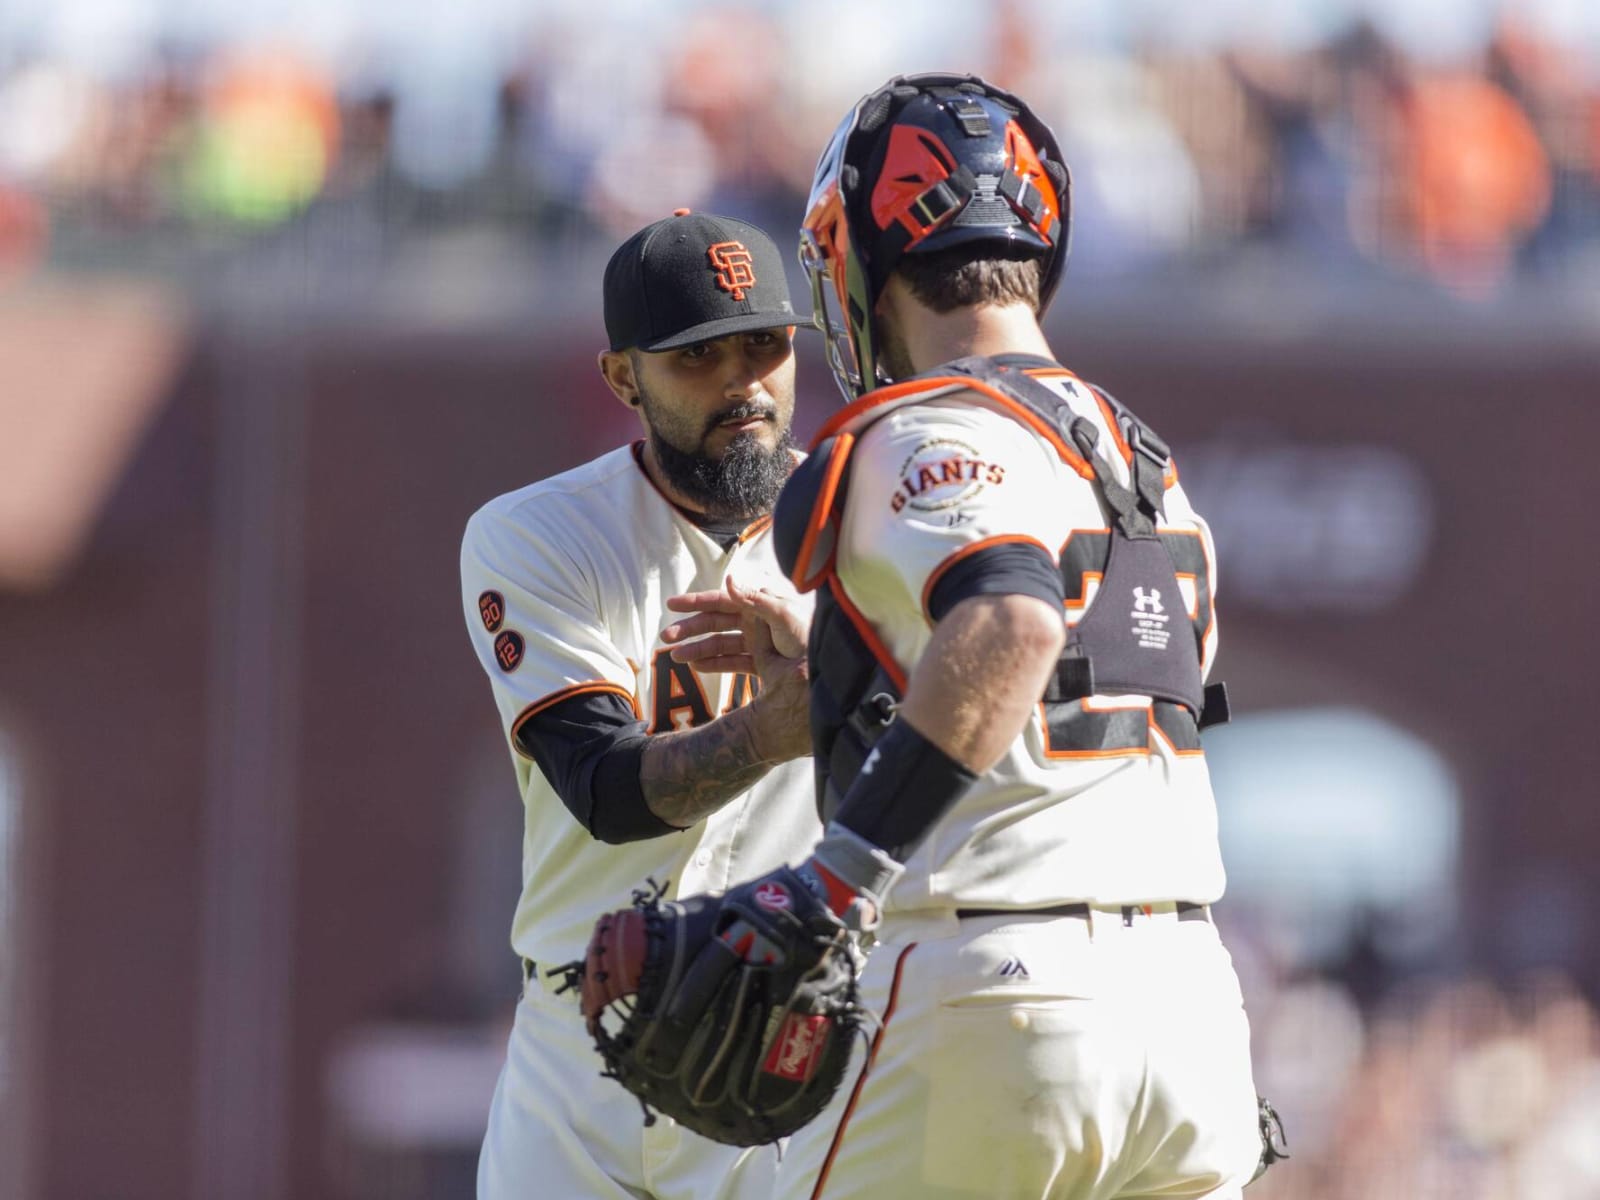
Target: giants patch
492,608
942,474
508,648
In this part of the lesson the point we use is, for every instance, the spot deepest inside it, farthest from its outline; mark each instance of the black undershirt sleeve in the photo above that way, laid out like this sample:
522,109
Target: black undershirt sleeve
589,747
1003,569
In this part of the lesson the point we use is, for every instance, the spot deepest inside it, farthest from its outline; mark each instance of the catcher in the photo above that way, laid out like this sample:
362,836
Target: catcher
1014,623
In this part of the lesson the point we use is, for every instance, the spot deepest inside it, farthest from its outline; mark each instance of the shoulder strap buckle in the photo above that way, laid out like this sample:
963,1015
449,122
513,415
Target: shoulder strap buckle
1149,467
1143,440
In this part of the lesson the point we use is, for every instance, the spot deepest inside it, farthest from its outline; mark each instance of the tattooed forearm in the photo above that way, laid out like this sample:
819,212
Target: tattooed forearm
687,776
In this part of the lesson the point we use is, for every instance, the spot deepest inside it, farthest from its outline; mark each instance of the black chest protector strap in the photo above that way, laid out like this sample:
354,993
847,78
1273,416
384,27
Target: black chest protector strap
1135,638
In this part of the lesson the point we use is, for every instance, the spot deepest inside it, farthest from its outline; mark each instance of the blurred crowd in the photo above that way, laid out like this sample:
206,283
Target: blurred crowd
1458,1090
1455,142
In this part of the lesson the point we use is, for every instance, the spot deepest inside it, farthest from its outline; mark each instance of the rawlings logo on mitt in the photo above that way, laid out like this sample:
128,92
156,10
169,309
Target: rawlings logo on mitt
734,1015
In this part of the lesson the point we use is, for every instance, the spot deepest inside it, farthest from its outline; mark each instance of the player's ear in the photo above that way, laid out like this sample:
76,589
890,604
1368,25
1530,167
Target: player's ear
617,369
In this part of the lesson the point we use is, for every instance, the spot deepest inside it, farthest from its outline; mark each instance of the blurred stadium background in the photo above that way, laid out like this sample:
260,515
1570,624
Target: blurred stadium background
287,290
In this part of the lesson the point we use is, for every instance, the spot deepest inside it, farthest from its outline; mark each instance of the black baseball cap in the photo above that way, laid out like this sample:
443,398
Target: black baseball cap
692,277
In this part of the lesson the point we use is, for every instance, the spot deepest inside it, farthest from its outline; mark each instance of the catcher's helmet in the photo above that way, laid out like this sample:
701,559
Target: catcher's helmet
924,163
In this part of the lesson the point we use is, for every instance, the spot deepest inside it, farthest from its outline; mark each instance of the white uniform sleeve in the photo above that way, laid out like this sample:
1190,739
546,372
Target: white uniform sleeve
534,613
932,485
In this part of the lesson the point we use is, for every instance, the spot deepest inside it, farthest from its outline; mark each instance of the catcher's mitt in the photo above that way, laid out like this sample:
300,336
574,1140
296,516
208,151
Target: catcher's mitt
733,1015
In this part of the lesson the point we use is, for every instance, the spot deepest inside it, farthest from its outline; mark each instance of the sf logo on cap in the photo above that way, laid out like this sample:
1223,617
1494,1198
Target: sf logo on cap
734,267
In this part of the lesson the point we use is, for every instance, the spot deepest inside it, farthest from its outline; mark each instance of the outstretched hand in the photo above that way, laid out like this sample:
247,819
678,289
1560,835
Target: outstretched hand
754,631
735,629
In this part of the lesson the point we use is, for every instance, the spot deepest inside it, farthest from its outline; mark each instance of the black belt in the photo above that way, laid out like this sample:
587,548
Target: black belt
1186,911
1059,910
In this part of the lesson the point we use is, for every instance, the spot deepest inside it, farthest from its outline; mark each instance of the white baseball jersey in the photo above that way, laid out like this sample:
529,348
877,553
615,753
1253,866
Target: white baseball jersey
564,586
1092,1056
1130,822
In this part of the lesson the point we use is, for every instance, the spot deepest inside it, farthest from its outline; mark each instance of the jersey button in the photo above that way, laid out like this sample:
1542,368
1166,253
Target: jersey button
703,859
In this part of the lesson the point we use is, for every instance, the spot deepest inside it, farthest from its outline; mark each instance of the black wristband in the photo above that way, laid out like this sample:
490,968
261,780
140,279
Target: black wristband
902,791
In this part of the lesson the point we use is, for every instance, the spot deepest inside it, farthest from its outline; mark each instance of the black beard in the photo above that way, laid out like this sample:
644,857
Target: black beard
744,483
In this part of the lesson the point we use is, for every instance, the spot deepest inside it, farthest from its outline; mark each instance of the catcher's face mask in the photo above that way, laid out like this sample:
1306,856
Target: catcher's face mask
924,163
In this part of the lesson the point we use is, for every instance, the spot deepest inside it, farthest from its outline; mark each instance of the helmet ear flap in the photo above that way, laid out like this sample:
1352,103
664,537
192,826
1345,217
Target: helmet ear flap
875,111
1057,173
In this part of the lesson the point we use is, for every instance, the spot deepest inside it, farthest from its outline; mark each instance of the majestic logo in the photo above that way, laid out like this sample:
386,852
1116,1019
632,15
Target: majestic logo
941,474
798,1048
1150,603
508,648
1013,968
492,608
774,896
735,268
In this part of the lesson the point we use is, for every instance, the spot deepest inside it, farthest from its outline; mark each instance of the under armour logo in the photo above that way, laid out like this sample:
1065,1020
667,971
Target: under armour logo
1013,968
1147,603
734,266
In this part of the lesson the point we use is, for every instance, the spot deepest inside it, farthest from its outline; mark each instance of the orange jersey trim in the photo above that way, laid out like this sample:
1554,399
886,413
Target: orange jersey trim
1087,706
1211,595
1152,730
821,508
868,634
1077,607
674,691
755,528
899,391
1157,732
567,693
866,1069
966,552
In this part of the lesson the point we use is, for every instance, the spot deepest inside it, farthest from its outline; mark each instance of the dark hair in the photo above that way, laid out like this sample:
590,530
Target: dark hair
946,280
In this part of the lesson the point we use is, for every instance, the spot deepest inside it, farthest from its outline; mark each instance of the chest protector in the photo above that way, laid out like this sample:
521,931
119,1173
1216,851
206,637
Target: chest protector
1133,638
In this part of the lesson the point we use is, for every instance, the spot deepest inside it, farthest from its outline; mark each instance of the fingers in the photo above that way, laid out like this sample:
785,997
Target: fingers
768,622
698,625
757,598
715,601
715,612
725,664
716,653
787,629
711,647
